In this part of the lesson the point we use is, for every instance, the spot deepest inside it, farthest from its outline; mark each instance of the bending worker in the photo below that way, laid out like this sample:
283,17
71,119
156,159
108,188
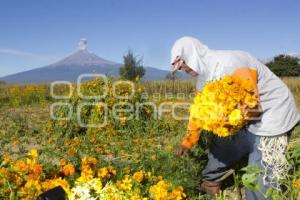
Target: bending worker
263,139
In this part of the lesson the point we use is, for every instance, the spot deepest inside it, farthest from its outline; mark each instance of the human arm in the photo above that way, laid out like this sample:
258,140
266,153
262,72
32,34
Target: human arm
250,75
190,139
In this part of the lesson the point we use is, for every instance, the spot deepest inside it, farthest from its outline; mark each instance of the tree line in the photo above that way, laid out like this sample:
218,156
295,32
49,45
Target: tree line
285,65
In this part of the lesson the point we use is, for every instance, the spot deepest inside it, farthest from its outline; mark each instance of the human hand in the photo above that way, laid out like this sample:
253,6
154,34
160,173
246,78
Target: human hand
181,150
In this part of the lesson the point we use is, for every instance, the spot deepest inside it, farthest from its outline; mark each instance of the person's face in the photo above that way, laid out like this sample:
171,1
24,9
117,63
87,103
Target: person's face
181,65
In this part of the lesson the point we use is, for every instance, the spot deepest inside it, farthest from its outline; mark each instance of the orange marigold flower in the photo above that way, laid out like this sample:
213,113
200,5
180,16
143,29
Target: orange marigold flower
92,160
68,170
17,179
62,162
72,151
21,166
138,176
111,170
35,171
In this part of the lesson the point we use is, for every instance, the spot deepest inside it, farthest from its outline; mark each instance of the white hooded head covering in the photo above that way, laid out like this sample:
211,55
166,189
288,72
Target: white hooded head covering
198,57
192,51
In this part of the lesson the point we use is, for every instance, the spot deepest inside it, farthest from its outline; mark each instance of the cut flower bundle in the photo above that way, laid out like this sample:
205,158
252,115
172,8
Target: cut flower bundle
223,105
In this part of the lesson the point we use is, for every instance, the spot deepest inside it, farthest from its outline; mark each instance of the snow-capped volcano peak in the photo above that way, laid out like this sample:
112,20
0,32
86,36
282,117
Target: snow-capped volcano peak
82,57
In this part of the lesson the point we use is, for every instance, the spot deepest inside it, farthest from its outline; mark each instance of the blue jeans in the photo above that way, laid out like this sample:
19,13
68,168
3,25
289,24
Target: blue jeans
226,152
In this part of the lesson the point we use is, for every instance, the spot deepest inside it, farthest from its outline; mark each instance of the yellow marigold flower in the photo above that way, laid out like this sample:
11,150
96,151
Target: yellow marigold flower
111,170
7,159
102,172
95,184
83,179
88,160
72,151
250,100
135,197
4,172
93,140
118,184
126,184
126,170
153,157
32,188
170,148
49,184
138,176
123,121
235,117
177,194
33,153
296,183
159,191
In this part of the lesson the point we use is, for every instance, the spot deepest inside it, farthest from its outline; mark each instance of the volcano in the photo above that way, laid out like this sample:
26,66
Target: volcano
80,62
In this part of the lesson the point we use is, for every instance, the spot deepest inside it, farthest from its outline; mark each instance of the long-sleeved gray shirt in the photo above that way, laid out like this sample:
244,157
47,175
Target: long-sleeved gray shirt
279,111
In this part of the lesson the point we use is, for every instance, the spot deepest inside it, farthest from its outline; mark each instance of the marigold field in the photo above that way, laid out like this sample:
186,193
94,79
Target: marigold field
128,158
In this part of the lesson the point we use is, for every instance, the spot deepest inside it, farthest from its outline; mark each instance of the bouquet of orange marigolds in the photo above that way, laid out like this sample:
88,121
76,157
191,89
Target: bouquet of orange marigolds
223,105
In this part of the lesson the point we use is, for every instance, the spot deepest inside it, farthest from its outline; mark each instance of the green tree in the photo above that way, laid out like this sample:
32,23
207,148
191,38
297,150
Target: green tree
171,76
2,82
284,65
132,68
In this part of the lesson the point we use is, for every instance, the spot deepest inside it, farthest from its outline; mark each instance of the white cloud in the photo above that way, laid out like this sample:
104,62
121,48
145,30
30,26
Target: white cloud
24,54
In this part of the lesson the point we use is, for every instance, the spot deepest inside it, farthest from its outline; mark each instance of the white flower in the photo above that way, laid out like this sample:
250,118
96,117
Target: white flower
81,192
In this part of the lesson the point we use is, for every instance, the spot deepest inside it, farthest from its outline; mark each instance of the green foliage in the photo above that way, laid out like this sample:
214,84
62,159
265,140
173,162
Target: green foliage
98,111
249,179
132,67
290,186
284,65
171,76
17,95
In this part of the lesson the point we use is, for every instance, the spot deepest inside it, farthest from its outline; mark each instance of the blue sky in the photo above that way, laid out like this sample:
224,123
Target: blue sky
34,33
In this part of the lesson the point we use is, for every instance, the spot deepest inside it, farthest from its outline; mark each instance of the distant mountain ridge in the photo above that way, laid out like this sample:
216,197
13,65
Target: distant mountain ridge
80,62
